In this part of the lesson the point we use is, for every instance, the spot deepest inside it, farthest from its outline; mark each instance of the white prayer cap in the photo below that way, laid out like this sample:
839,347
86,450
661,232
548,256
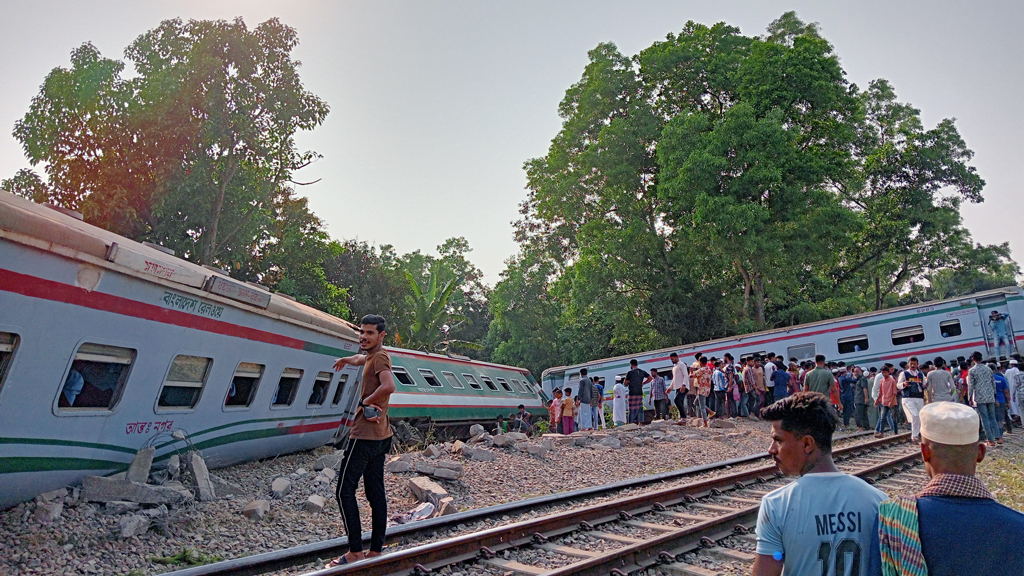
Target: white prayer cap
949,423
1013,362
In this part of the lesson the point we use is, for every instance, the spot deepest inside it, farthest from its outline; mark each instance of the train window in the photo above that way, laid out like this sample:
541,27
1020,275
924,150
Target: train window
853,344
432,380
8,342
341,388
97,378
573,378
472,382
522,387
402,376
908,335
185,381
244,384
504,384
743,357
453,381
489,384
801,352
286,387
949,328
320,386
664,371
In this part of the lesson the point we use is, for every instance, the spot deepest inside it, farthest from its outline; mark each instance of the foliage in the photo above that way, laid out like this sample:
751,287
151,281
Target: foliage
716,183
194,151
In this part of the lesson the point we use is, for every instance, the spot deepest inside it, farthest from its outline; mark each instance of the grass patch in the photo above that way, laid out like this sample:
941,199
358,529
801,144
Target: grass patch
1004,478
186,556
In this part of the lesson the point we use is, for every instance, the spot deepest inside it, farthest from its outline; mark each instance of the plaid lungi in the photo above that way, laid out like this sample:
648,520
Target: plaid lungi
636,402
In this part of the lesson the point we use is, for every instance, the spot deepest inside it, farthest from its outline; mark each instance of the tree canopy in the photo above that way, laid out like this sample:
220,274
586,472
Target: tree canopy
716,183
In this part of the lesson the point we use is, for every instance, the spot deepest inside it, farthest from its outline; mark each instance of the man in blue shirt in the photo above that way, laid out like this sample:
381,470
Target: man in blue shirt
823,522
953,526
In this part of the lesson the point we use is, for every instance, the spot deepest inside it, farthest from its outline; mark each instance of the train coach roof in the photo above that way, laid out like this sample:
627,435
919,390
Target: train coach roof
22,220
741,337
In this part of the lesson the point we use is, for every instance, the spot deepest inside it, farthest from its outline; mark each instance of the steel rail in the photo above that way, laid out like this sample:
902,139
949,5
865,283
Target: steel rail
466,547
298,555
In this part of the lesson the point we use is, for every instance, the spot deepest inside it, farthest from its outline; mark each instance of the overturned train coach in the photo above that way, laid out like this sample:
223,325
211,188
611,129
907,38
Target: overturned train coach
108,345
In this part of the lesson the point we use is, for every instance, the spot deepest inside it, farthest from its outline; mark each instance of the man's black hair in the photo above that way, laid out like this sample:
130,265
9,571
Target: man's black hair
728,356
805,414
819,358
912,359
654,371
583,371
673,355
977,357
375,320
522,407
633,362
500,416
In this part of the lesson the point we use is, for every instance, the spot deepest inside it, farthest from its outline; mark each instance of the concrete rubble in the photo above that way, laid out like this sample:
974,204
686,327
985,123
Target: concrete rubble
479,454
134,525
225,489
332,461
138,470
49,511
476,430
426,490
201,482
432,451
100,489
120,507
256,509
52,495
314,504
398,466
280,487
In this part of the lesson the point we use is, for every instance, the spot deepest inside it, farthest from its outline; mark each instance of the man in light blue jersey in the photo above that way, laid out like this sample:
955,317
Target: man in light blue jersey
823,522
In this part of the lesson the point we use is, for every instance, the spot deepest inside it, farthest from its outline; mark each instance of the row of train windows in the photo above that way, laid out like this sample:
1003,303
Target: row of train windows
99,374
405,378
859,343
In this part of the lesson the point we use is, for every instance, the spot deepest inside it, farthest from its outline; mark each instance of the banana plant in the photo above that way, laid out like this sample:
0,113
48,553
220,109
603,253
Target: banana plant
431,314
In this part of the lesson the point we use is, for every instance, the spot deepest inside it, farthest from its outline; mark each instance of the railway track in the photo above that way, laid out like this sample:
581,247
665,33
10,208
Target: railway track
672,529
756,470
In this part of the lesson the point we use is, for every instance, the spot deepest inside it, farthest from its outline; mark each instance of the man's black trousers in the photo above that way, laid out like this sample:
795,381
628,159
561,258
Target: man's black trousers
364,459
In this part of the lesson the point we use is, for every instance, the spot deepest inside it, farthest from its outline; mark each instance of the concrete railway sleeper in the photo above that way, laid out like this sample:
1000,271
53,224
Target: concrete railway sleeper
702,500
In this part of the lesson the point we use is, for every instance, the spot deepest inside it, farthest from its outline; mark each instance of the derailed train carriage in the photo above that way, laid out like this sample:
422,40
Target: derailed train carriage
108,345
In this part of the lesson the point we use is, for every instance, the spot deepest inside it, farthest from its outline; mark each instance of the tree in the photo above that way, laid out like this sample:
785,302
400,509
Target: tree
193,151
907,187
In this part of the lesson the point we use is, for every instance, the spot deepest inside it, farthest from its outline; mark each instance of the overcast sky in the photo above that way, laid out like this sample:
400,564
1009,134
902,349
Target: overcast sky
436,105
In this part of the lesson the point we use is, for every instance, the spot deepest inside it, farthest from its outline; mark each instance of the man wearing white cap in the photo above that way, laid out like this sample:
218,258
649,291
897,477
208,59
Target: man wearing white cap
911,381
954,525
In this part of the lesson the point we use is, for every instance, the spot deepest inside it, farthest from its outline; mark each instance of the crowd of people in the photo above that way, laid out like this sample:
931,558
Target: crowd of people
876,398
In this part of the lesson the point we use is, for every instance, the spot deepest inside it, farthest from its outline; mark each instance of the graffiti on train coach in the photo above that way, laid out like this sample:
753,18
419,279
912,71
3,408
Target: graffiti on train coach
147,427
186,304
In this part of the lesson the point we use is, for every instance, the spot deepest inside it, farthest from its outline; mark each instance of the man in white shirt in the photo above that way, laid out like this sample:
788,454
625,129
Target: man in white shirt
825,521
619,392
913,385
1011,382
680,383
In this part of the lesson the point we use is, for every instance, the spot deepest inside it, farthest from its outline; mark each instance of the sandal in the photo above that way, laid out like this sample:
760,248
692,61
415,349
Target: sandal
337,562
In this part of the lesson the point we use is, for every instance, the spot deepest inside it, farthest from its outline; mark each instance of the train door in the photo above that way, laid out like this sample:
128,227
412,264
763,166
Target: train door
997,326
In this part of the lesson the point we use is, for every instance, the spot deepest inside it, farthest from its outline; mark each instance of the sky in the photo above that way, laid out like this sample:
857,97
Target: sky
435,106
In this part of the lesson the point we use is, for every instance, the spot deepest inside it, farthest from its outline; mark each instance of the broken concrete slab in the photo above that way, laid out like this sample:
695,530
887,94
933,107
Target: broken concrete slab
180,488
332,461
314,504
517,436
321,479
157,513
397,467
426,490
134,525
450,465
638,441
500,440
120,507
256,509
225,489
479,454
48,511
100,489
447,507
628,427
457,447
611,442
476,430
548,444
722,424
479,438
57,494
329,473
536,450
200,477
280,487
174,466
431,451
446,474
423,467
582,441
138,470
